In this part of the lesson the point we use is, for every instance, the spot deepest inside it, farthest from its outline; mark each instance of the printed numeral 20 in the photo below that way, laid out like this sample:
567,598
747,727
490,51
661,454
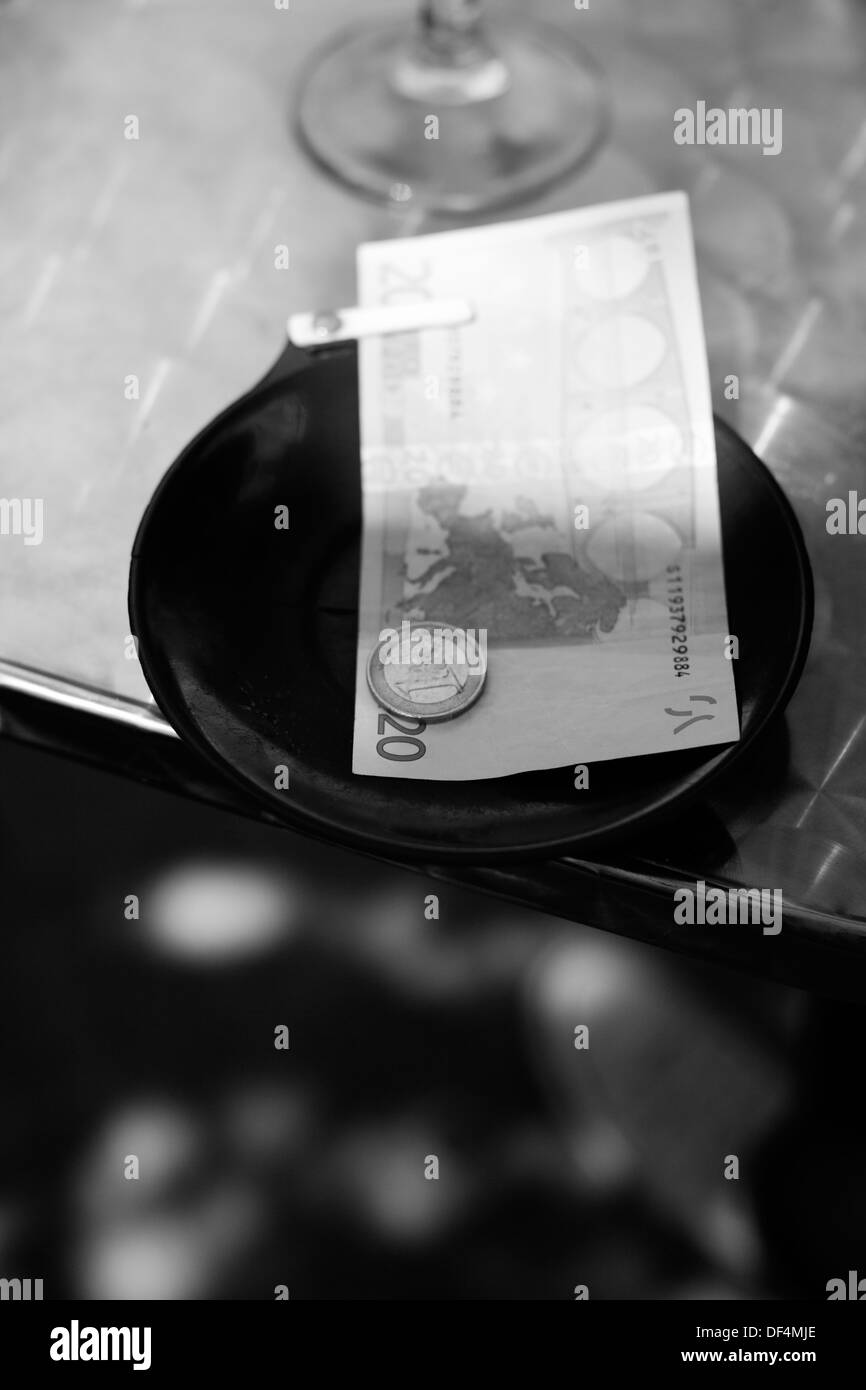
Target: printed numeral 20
406,731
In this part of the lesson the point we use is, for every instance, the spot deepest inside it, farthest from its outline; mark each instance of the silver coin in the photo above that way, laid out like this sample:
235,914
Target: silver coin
429,671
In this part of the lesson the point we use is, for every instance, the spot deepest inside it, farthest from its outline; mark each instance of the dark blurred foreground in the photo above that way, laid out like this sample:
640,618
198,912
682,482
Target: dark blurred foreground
146,1044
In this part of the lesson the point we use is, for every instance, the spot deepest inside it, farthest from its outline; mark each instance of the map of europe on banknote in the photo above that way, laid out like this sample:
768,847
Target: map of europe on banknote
546,475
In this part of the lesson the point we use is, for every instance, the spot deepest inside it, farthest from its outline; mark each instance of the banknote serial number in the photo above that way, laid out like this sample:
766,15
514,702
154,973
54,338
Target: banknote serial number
677,611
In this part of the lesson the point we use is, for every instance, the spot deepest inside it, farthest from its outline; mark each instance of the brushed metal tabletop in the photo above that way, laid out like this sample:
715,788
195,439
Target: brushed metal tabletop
141,294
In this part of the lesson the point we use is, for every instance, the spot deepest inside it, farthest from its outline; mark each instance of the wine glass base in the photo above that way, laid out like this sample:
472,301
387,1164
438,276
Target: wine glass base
452,140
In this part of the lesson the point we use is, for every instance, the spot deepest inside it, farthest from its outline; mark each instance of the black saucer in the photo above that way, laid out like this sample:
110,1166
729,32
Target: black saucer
247,634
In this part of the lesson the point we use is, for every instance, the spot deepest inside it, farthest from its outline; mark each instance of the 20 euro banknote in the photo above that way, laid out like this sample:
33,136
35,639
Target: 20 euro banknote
546,476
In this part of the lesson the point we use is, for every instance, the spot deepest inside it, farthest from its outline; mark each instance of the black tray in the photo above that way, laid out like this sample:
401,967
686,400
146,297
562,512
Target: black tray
247,635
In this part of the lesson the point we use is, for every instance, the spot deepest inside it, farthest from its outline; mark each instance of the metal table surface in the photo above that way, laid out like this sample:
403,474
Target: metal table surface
154,259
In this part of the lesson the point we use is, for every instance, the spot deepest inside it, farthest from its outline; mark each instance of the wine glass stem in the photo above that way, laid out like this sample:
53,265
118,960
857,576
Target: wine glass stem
452,28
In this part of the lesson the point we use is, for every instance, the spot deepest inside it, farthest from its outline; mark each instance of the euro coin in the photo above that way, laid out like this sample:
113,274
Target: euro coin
428,671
